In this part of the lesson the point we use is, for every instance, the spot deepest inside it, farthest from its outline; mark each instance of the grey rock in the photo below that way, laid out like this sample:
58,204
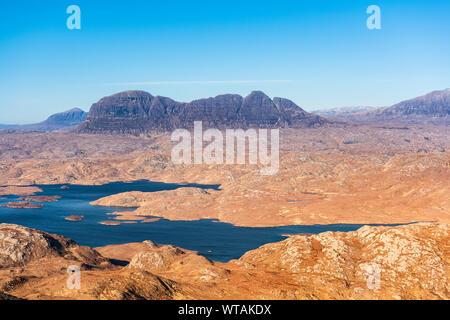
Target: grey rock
138,112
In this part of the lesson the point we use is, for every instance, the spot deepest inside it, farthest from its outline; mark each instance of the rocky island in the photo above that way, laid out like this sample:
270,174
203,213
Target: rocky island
22,205
40,198
74,218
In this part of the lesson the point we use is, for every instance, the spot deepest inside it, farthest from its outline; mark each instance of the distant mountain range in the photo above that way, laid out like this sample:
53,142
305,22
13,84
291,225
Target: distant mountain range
433,107
342,111
136,112
63,121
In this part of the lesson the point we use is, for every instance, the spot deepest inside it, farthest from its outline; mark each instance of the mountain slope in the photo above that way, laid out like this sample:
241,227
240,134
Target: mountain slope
136,112
433,104
60,121
403,262
433,108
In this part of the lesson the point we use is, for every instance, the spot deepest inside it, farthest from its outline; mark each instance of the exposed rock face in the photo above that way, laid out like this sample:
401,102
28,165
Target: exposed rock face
60,121
70,118
136,112
295,117
136,285
20,245
405,262
4,296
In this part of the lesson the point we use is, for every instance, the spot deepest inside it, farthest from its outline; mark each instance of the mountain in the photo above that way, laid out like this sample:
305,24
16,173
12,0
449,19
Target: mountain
136,112
433,107
63,121
7,126
434,104
70,118
342,111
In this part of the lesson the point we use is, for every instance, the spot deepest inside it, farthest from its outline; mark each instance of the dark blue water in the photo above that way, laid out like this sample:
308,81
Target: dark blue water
215,240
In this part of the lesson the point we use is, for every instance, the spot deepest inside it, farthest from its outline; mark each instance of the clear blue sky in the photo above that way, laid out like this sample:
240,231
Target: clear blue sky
318,53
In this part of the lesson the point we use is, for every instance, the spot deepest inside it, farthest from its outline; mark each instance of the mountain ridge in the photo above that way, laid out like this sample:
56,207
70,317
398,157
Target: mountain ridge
137,112
62,121
433,107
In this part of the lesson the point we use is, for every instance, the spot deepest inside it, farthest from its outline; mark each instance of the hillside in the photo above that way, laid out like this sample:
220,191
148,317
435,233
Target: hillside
62,121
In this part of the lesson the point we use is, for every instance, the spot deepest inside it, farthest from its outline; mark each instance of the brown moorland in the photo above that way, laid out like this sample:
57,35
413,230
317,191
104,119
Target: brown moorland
341,174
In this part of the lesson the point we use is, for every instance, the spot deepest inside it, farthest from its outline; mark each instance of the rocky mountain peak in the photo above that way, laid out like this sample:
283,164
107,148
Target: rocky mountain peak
70,117
136,112
433,108
62,121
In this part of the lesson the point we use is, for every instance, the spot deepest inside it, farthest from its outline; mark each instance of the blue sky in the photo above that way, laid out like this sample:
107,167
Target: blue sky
320,54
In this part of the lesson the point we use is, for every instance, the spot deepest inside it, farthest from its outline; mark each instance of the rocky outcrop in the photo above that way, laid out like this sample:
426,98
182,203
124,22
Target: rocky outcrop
404,262
34,265
294,117
136,285
4,296
136,112
20,246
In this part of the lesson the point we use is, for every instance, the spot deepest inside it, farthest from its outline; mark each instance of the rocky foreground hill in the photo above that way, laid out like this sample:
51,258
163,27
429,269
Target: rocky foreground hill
137,112
404,262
